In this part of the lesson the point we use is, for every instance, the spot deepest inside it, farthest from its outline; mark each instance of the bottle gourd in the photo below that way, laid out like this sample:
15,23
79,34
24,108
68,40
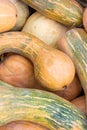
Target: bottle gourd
53,68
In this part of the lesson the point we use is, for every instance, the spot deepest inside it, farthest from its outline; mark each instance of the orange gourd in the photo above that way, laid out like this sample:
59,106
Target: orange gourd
53,68
18,71
8,15
22,125
80,103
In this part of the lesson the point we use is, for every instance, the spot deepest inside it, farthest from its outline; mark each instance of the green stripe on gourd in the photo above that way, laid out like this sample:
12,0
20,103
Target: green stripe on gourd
67,12
77,43
74,43
39,107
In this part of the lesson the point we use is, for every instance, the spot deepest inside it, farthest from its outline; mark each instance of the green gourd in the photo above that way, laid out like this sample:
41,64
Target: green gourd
52,68
74,44
38,106
67,12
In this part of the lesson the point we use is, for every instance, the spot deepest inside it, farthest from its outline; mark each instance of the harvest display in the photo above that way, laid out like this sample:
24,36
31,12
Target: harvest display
43,65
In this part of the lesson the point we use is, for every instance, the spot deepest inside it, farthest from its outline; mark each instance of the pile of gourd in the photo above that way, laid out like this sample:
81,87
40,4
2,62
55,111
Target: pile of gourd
43,65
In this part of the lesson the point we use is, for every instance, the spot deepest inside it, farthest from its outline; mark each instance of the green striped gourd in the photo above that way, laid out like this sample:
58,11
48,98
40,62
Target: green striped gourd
47,61
67,12
39,107
74,43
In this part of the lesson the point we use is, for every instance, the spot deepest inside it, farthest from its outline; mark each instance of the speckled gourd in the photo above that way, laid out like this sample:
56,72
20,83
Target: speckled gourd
67,12
74,44
52,68
39,107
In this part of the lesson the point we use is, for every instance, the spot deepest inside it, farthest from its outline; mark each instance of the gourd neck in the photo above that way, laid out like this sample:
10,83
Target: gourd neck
33,49
21,43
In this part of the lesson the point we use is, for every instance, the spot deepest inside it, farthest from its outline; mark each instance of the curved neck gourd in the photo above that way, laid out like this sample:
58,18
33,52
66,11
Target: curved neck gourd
49,63
39,107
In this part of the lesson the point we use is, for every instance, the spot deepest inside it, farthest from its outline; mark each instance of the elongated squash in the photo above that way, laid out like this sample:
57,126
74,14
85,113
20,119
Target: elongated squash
39,107
53,68
74,43
67,12
80,103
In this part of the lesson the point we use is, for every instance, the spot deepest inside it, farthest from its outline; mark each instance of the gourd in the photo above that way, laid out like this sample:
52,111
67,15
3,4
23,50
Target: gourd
22,125
41,107
67,12
52,68
80,103
17,70
72,90
22,14
74,44
47,30
85,19
8,15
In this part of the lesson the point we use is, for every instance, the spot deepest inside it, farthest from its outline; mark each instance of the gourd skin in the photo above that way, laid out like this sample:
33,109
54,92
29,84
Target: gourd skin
85,19
47,30
67,12
22,14
8,15
22,125
53,68
72,91
39,107
74,44
80,103
17,71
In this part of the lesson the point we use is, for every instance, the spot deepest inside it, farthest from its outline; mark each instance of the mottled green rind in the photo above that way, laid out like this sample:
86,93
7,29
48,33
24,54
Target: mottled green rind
67,12
40,107
76,40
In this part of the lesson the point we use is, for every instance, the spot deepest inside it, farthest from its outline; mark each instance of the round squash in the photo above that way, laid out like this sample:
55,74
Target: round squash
47,30
22,125
22,14
18,71
8,15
